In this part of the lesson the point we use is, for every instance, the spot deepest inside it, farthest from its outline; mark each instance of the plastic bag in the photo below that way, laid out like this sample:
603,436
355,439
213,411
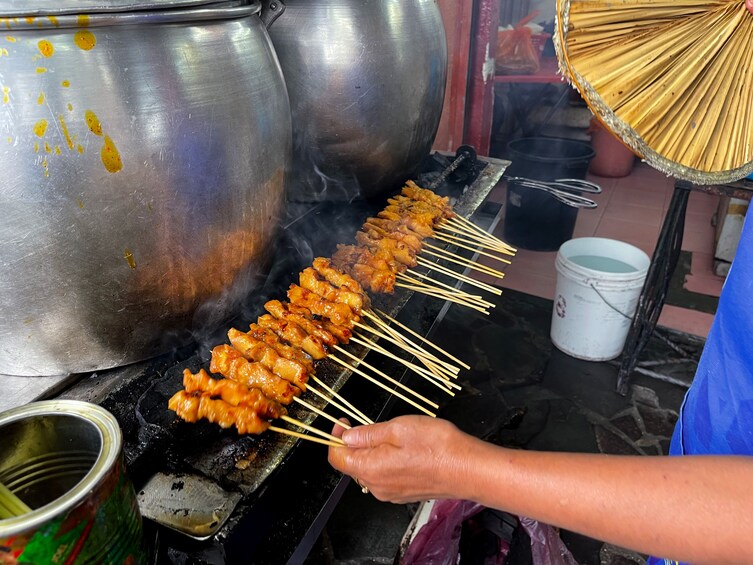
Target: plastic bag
438,540
516,54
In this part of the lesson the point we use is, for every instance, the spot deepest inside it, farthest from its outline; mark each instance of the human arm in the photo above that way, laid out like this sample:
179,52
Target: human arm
688,508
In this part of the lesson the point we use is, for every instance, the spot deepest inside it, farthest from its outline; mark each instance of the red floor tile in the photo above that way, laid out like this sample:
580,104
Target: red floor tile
702,278
684,320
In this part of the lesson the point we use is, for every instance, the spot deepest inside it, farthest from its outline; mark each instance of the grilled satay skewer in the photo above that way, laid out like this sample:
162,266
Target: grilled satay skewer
294,335
229,362
283,349
255,350
336,277
310,279
337,312
282,312
233,393
193,407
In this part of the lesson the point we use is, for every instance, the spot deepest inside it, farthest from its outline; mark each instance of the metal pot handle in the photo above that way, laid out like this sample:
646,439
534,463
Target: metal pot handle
270,11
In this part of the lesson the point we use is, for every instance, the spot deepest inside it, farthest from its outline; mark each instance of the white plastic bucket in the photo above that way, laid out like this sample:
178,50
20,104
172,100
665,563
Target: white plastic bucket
598,284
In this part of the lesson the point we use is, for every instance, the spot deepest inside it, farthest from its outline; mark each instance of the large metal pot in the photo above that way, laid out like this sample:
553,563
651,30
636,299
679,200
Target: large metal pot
366,81
143,158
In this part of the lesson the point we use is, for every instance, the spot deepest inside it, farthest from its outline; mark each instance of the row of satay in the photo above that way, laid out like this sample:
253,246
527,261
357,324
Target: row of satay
269,365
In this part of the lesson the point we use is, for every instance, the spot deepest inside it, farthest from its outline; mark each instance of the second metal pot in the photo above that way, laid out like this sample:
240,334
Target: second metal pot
366,81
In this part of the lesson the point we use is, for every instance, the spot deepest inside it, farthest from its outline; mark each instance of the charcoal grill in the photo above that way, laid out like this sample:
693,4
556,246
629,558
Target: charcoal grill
210,496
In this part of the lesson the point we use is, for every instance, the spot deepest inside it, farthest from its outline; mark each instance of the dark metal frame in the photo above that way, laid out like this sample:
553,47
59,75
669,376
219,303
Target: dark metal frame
663,263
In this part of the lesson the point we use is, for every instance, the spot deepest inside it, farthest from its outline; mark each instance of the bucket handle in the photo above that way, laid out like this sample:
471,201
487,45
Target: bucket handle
612,306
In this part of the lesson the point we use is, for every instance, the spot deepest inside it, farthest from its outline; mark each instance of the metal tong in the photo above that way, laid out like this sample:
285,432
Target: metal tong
562,190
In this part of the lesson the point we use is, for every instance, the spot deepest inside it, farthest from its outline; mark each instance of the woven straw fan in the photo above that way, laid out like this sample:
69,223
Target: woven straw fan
672,78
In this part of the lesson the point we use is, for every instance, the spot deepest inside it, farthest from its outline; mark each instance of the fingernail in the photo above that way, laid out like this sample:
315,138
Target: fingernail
346,435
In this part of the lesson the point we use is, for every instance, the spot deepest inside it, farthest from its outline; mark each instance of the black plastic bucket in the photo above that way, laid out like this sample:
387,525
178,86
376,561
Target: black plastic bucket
534,219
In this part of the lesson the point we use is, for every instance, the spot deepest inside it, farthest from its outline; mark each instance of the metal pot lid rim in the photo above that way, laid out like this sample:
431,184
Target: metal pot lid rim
11,9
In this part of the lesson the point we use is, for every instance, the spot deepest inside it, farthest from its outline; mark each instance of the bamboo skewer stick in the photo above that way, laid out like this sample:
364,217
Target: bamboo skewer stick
304,436
387,377
10,504
475,298
410,273
460,260
400,341
453,295
460,220
433,377
321,413
441,295
406,328
384,386
459,276
312,429
468,247
459,230
345,406
341,398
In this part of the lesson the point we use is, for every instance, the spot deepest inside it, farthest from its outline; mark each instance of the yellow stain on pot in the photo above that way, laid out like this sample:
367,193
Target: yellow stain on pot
83,20
40,128
93,122
29,19
36,147
45,167
70,107
128,255
47,148
53,20
80,148
6,94
40,99
80,203
85,40
41,70
110,156
65,83
58,151
4,51
64,129
46,48
10,39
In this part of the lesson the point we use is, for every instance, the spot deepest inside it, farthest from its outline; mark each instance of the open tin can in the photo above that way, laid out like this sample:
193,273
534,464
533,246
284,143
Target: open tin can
64,459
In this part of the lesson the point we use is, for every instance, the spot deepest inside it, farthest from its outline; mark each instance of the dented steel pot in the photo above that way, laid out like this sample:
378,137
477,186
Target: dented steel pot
144,157
366,82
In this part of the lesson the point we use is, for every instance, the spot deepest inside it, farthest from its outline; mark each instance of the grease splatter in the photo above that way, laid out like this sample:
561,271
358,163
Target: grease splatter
110,156
53,20
70,107
46,48
80,203
40,100
41,70
40,128
65,83
10,39
45,167
80,148
64,128
83,20
85,40
6,94
128,255
93,122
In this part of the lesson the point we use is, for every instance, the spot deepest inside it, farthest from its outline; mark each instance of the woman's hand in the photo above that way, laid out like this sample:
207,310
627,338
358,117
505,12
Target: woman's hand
407,459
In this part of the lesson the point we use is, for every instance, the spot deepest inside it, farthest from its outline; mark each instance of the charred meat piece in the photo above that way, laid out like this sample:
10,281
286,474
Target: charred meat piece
310,280
338,313
335,276
285,350
295,335
193,407
281,311
229,362
232,392
256,350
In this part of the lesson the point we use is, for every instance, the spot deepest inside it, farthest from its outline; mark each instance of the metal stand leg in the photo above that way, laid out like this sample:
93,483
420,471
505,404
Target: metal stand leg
654,292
